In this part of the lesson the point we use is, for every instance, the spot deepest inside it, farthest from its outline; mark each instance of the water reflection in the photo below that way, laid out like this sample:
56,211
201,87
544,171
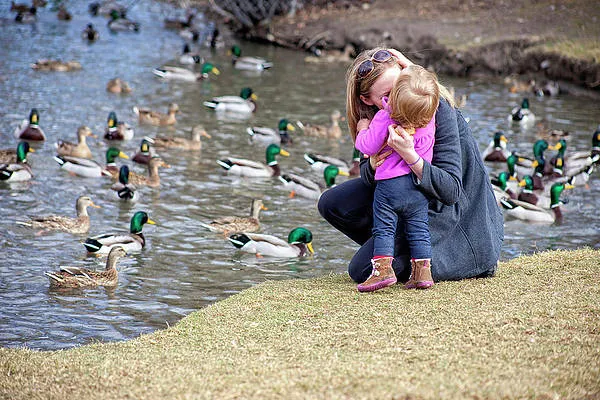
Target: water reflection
184,267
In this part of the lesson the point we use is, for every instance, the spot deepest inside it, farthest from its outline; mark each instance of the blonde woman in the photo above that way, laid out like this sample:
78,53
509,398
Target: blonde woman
465,224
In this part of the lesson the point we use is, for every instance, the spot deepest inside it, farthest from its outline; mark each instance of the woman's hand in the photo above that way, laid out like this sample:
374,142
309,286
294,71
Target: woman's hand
377,159
402,60
403,143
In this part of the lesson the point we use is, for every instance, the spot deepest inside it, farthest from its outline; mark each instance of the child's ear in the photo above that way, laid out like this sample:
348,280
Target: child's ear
366,100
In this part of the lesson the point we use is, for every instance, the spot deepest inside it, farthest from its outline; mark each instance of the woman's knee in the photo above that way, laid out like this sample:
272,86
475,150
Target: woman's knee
327,203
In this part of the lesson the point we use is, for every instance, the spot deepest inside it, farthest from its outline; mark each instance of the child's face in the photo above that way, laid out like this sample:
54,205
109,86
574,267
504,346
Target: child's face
382,86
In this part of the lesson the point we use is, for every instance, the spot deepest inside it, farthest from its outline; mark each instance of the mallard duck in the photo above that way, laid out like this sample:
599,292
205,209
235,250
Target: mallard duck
175,23
527,193
243,105
528,212
518,86
332,56
117,85
27,17
80,224
76,277
90,168
117,130
153,179
550,88
19,171
106,7
30,129
146,151
19,7
133,241
10,156
147,116
299,244
125,191
187,57
496,149
249,168
56,65
119,23
63,14
319,162
90,33
332,131
581,177
182,74
501,187
80,149
248,63
111,166
267,135
522,114
576,160
355,169
228,225
194,143
306,188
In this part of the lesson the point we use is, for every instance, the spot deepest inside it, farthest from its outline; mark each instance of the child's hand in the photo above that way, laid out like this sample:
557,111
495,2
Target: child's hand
402,142
377,159
362,123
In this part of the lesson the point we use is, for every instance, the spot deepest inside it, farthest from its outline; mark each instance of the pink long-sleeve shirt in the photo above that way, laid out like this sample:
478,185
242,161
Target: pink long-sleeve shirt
370,140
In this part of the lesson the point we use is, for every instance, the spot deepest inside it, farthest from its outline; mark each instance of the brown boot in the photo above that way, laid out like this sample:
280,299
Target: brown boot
422,273
382,276
412,282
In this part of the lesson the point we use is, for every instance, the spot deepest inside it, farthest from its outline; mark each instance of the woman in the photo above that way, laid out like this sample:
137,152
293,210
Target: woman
464,220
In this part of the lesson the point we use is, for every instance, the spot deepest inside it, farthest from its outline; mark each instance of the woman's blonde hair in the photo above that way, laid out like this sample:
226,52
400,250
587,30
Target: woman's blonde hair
355,87
414,98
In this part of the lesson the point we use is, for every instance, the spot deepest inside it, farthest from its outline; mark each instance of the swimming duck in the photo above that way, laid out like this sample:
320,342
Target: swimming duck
267,135
522,114
243,105
76,277
306,188
9,156
146,151
90,168
332,56
153,179
111,166
117,130
30,129
528,212
80,149
527,193
20,170
500,185
518,86
319,162
119,23
247,63
187,57
117,85
332,131
175,23
355,169
228,225
19,7
80,224
147,116
125,191
90,33
182,74
299,244
496,149
253,169
194,143
581,177
63,14
133,241
106,7
576,160
27,17
56,65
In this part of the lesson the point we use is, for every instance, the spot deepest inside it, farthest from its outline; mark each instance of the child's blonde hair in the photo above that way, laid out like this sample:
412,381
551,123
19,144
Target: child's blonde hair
414,98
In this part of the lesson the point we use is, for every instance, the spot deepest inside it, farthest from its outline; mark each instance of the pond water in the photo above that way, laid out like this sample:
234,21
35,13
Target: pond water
184,267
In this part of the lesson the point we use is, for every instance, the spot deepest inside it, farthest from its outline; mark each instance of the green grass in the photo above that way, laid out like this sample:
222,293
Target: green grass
530,332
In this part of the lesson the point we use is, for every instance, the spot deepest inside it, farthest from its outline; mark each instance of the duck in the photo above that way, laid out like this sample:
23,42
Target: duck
576,160
27,17
528,212
228,225
90,168
522,114
496,150
299,244
90,33
550,88
63,14
192,144
528,195
175,23
106,7
146,151
19,171
10,156
187,57
152,179
77,225
133,241
117,85
117,130
306,188
501,187
355,169
30,129
267,136
19,7
332,131
247,63
56,65
318,162
332,56
519,86
240,106
125,191
581,177
182,74
147,116
119,23
77,277
80,149
253,169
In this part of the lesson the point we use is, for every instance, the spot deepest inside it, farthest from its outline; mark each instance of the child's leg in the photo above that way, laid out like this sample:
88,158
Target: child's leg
417,232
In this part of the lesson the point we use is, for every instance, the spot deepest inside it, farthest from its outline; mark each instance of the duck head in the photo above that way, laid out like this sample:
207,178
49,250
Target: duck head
138,220
301,236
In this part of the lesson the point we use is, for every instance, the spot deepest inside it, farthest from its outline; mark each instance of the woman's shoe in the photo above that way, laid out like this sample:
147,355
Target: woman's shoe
382,276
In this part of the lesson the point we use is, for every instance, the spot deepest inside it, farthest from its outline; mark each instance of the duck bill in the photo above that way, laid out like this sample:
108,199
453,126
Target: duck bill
569,186
343,173
310,248
522,183
31,150
284,153
206,135
123,155
165,165
150,222
263,208
94,205
215,71
254,97
290,127
503,139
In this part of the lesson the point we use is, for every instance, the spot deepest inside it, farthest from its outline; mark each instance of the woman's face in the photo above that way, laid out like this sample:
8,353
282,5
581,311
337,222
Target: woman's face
382,86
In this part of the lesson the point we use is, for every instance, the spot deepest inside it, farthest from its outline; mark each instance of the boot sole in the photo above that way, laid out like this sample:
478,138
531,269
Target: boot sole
378,285
424,284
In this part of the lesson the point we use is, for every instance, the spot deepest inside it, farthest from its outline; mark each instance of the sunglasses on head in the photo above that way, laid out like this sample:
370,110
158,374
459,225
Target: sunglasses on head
367,66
